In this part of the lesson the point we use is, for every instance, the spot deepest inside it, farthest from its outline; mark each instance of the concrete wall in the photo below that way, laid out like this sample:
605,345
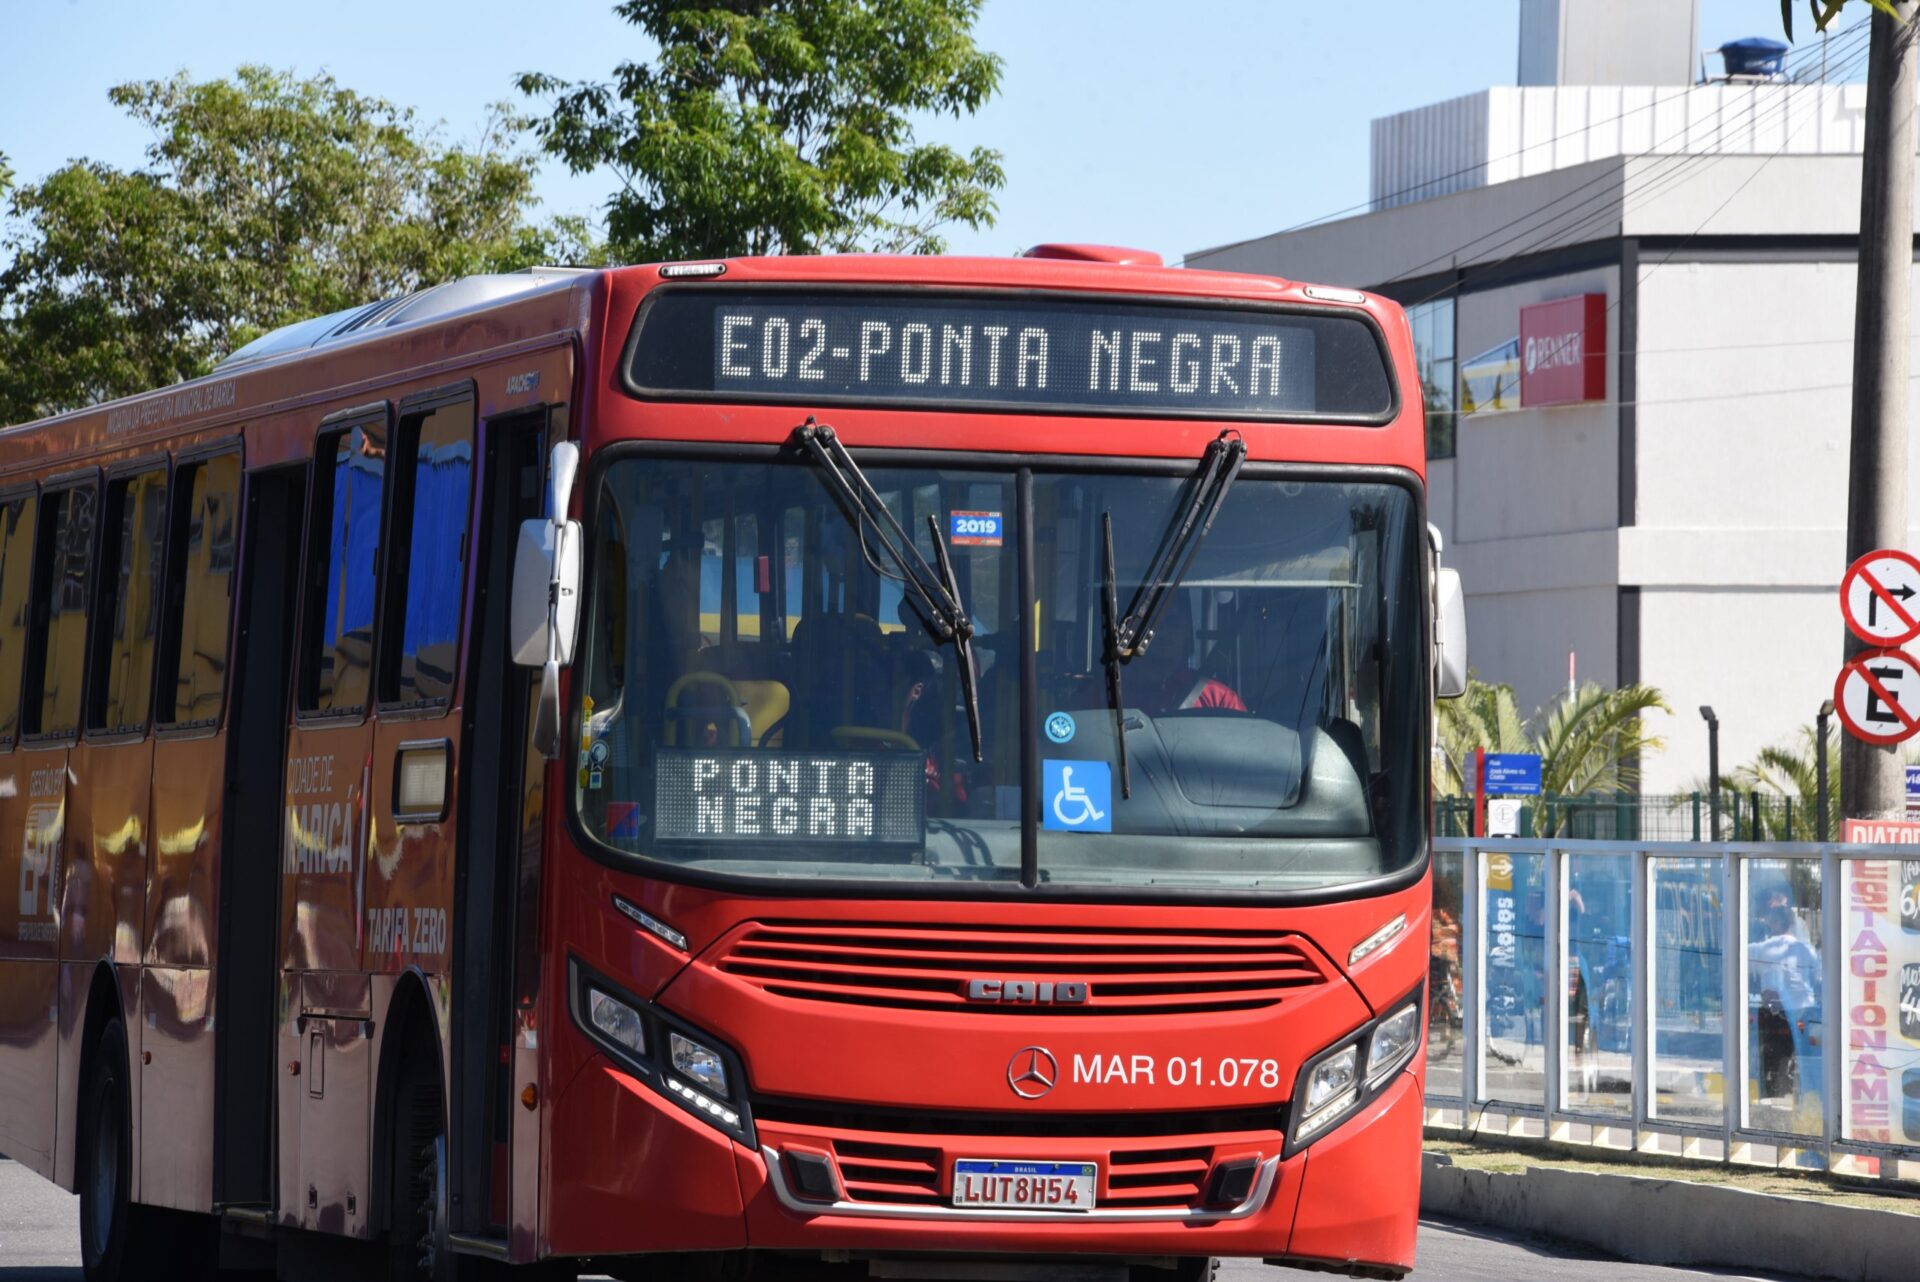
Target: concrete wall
1506,133
1741,476
1532,497
1608,42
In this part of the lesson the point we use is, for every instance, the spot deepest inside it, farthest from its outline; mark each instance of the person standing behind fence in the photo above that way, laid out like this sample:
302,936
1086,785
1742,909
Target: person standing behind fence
1787,975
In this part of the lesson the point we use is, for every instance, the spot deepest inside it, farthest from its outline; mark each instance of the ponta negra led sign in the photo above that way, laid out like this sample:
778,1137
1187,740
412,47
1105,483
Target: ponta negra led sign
989,350
734,796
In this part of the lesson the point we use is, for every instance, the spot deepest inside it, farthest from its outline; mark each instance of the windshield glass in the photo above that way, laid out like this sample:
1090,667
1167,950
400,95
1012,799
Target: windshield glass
757,696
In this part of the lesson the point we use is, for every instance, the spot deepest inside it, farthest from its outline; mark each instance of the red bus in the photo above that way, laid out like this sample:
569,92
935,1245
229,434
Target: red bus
891,762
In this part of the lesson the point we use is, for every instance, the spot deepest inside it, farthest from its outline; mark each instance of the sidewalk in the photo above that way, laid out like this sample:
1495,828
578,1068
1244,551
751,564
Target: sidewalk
1658,1211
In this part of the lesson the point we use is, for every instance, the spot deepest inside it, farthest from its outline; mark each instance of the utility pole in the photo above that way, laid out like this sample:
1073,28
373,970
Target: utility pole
1872,781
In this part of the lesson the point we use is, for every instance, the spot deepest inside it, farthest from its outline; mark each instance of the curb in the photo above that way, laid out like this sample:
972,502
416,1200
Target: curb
1659,1221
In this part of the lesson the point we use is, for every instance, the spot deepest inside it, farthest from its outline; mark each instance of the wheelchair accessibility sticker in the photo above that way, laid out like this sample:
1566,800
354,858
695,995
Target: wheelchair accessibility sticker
1077,796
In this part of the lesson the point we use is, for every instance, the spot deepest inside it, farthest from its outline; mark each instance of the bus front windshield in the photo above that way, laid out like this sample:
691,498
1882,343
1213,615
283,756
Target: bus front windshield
757,695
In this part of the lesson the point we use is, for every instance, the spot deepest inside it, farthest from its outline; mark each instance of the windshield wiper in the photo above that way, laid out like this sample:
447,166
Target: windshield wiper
1218,468
1110,611
935,595
1127,638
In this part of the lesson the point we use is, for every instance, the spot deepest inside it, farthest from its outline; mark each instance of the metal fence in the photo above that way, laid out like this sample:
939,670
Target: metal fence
1746,1002
1685,816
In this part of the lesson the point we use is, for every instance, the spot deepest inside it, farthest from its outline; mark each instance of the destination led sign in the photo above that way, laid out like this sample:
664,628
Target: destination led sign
1049,352
740,796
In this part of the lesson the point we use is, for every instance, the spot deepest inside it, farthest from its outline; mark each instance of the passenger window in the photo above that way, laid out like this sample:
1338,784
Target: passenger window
122,683
61,598
16,580
343,555
205,530
432,487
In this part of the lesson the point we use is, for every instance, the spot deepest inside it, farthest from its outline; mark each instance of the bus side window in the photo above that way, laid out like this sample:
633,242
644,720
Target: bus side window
432,493
16,577
343,562
122,675
193,665
61,598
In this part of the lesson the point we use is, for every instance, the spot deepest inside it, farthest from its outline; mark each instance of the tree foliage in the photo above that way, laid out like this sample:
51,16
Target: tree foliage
1590,742
782,127
1825,11
265,199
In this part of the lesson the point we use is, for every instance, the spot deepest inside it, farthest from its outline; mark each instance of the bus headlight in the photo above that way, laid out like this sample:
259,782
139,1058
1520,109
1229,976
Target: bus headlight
1334,1084
617,1020
703,1067
1332,1088
1393,1041
694,1069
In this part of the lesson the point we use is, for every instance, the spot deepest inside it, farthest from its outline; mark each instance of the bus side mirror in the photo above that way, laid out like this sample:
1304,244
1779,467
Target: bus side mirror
1449,635
544,613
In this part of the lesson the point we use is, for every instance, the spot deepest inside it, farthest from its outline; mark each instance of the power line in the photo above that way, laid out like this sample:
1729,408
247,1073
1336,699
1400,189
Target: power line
1807,53
1675,165
1680,168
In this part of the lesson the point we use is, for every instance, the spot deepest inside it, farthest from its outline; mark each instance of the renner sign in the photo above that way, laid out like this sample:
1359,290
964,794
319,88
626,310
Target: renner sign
1563,351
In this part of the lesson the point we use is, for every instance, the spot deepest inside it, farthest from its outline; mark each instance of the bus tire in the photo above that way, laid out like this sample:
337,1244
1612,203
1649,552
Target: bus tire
417,1249
119,1239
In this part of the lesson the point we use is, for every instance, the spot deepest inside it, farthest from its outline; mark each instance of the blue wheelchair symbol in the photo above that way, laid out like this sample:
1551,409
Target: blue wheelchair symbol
1077,796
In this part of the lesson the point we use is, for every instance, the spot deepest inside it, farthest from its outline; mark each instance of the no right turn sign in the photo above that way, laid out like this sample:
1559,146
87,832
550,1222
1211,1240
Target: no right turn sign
1880,597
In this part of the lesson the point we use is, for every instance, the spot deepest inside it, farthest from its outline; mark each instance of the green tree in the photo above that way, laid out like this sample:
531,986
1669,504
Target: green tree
782,127
1790,772
1825,11
1590,742
265,199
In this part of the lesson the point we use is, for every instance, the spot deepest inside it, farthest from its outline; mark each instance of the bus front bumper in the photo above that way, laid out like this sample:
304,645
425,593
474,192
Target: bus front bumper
654,1179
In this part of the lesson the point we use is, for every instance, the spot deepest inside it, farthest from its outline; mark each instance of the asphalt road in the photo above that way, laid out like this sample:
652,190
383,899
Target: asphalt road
39,1242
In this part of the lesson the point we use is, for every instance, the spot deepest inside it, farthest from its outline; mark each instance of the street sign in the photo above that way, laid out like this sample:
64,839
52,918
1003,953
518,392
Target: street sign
1877,597
1878,832
1878,696
1913,792
1517,774
1503,817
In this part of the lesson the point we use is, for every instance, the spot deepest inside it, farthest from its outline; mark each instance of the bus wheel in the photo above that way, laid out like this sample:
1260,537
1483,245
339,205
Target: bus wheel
417,1242
117,1238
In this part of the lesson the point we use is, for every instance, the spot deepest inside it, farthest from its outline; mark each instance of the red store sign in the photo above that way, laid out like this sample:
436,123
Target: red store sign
1563,351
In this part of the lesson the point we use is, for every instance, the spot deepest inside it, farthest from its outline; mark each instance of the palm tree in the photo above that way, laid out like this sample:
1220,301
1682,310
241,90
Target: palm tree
1486,716
1590,741
1791,771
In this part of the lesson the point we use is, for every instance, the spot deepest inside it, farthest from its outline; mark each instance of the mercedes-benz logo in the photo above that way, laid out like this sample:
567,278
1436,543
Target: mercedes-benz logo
1032,1072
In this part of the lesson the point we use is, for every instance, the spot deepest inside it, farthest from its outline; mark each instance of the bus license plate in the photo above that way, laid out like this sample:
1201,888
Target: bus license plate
1024,1186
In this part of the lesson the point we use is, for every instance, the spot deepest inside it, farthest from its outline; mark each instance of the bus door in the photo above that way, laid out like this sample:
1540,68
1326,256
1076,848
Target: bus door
496,962
254,757
325,1006
109,813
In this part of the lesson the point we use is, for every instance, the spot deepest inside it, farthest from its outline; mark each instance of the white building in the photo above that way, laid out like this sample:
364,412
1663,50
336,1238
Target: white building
1676,514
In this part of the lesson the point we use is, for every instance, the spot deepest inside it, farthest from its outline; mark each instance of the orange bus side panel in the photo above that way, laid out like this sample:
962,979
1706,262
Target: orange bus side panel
28,1057
183,891
109,788
32,858
176,1088
325,832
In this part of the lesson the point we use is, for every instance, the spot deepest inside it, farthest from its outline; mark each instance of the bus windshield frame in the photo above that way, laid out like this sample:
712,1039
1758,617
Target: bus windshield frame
611,821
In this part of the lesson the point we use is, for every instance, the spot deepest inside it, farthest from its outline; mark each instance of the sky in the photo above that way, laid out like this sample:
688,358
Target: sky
1170,126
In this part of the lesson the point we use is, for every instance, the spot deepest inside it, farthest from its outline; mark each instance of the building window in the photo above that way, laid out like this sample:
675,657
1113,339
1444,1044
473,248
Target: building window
1433,352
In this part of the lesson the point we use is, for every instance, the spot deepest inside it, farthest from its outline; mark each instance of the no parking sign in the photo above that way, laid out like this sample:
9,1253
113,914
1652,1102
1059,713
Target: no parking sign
1878,696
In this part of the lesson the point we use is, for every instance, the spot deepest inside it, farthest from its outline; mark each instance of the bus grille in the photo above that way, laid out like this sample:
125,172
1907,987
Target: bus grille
927,967
910,1175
